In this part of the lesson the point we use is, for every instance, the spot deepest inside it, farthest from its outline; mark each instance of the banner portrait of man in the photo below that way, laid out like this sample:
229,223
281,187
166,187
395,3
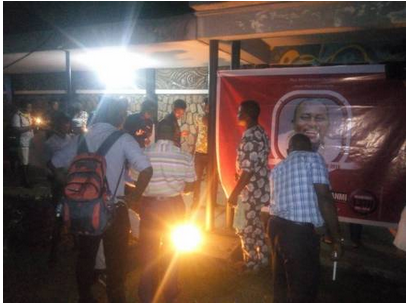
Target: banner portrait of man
319,118
354,116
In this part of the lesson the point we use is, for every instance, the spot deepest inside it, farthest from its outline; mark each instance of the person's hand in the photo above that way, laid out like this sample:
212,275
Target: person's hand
132,197
184,133
135,206
337,250
232,200
140,132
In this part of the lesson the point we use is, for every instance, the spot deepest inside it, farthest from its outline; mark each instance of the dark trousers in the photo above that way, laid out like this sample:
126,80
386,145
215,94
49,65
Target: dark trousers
115,244
356,233
57,190
160,270
295,261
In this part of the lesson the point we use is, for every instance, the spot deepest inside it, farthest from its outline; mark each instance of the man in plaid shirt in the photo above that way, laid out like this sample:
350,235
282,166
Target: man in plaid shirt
300,201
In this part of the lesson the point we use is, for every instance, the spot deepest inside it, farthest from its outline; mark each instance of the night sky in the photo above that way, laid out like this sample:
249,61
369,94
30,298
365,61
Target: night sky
21,17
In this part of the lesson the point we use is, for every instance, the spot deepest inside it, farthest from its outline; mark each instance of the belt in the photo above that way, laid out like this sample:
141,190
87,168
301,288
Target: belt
160,198
309,225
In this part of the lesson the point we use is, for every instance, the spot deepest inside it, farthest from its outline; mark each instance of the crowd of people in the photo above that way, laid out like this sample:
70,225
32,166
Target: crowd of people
147,171
152,153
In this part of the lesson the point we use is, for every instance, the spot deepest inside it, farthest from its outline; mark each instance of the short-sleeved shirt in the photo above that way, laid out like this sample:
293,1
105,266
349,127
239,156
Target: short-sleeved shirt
293,196
80,119
21,120
125,148
252,156
172,168
56,143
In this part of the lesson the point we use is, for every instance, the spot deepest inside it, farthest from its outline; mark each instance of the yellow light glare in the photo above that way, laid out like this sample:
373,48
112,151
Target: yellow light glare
38,120
186,237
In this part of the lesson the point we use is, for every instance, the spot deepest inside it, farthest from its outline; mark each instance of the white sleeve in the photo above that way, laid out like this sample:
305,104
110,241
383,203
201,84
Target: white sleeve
64,157
16,121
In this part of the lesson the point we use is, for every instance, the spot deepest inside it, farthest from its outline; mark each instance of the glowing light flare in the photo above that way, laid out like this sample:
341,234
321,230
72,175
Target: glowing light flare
116,67
186,237
38,120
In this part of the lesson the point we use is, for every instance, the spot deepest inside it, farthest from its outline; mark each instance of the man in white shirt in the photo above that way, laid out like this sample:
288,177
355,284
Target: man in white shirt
109,118
23,125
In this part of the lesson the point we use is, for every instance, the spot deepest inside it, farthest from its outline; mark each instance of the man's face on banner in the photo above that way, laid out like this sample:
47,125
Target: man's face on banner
311,118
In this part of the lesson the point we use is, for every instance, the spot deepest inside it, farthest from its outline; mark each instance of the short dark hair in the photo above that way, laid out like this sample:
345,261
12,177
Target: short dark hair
61,119
300,142
77,107
251,108
110,110
23,104
180,104
165,130
148,106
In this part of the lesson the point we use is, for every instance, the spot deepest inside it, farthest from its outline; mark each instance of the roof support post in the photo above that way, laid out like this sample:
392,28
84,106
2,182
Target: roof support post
234,65
68,75
150,89
212,170
8,88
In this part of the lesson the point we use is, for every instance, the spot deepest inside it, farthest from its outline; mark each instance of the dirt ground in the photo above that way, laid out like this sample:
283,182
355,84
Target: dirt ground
29,278
375,272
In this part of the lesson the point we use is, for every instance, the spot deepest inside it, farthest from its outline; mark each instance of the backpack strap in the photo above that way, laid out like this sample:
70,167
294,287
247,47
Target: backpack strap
109,142
104,148
118,181
82,145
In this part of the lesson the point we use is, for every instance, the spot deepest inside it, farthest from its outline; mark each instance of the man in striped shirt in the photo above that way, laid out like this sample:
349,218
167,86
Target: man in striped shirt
162,207
300,201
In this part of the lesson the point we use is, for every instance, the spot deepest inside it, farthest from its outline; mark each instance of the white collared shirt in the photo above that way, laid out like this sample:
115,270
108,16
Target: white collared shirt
21,120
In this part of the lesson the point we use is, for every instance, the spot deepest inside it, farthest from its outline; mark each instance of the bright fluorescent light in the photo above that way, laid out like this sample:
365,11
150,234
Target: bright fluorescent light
115,67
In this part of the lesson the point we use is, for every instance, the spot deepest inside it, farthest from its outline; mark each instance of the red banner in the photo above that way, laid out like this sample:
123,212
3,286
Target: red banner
354,116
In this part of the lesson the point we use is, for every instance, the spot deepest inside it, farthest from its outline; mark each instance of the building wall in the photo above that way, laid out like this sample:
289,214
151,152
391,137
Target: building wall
186,83
340,53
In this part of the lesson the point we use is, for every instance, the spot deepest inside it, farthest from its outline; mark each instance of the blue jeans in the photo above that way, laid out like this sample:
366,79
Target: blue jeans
160,270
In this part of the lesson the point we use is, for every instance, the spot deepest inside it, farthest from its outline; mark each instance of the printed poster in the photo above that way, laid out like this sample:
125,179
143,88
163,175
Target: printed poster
354,116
